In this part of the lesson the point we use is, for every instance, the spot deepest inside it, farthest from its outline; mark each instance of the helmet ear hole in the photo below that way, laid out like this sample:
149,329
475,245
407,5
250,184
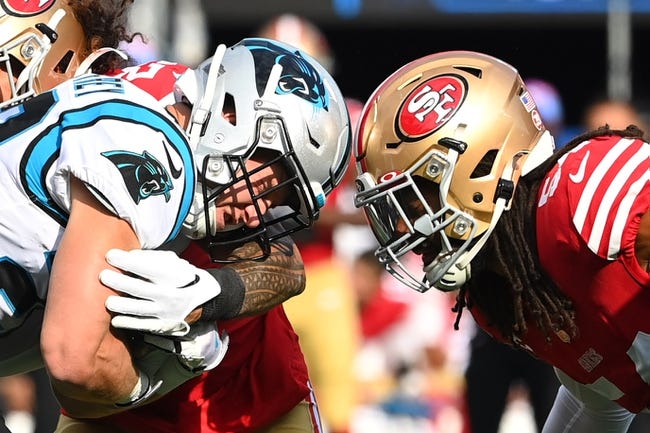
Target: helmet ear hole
64,63
229,111
485,165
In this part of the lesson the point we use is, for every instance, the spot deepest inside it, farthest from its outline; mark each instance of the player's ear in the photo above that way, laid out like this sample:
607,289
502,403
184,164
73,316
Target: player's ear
181,112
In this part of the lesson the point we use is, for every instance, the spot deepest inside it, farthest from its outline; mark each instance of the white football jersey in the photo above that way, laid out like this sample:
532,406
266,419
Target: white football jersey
122,144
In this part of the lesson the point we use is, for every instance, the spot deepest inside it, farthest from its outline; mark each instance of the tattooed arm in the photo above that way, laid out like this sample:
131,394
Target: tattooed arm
250,287
272,281
246,288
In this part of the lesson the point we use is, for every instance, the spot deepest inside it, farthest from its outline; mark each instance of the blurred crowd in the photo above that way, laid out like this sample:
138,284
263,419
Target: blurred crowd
382,357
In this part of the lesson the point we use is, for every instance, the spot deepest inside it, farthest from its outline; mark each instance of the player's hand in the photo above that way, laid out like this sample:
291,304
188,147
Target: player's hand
168,362
201,349
159,292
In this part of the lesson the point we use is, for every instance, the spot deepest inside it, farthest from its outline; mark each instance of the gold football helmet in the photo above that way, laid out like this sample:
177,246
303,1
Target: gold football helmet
440,147
41,45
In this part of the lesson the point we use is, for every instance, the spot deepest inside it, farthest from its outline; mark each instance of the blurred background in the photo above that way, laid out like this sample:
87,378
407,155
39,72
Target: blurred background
587,48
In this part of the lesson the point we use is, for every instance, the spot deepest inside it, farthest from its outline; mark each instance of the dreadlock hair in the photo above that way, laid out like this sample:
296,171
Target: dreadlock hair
105,25
524,293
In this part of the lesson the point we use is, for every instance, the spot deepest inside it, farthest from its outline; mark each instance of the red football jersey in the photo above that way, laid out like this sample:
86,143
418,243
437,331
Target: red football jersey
589,209
263,375
156,78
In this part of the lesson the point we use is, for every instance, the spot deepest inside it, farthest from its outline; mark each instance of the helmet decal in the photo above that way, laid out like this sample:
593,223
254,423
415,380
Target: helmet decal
537,119
298,77
26,8
388,177
528,101
429,106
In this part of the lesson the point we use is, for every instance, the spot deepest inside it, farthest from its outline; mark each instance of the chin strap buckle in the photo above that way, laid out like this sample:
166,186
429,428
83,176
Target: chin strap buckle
454,278
505,190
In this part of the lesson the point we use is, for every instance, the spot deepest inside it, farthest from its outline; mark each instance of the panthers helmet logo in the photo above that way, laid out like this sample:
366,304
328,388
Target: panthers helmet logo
298,77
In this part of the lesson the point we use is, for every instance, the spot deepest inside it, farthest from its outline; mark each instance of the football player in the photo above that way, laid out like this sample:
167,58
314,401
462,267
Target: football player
85,168
42,44
262,382
41,39
283,267
549,252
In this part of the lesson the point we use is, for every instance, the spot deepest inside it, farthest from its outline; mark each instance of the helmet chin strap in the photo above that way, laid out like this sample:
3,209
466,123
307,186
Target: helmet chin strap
201,112
460,272
319,195
453,279
194,225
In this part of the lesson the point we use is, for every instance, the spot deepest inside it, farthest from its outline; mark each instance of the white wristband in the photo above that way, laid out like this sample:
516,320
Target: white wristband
140,388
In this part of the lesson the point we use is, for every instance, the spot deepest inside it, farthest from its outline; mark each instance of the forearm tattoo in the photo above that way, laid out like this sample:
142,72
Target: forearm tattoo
272,281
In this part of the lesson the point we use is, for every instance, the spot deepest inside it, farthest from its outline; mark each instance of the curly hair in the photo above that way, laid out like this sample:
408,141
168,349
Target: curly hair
104,23
524,292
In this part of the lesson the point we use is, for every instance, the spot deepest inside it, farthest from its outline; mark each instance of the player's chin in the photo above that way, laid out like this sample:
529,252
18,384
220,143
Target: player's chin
428,251
427,259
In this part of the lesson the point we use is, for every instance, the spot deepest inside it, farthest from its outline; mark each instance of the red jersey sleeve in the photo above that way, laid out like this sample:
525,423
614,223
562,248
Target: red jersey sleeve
602,183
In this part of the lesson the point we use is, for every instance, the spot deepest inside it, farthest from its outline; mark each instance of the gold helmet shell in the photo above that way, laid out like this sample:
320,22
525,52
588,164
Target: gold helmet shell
460,119
41,45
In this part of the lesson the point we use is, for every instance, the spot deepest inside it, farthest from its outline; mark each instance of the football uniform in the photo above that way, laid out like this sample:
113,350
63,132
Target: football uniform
156,78
117,140
262,377
589,210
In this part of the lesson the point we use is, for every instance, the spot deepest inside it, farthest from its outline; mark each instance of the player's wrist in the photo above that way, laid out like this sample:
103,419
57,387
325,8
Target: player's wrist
228,303
139,390
195,315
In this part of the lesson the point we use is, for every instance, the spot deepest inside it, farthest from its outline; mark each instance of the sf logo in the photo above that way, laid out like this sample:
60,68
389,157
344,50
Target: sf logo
428,100
430,106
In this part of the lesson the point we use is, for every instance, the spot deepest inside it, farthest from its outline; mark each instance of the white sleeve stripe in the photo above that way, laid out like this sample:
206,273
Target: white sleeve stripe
574,150
614,190
594,181
622,216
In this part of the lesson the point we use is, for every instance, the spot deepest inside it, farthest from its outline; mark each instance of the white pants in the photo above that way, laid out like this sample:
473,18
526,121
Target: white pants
577,409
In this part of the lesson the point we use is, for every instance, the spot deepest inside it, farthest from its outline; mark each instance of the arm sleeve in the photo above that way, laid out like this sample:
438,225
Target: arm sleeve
229,302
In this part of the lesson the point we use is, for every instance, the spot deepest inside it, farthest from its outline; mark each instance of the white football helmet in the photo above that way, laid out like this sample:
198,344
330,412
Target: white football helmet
284,102
441,145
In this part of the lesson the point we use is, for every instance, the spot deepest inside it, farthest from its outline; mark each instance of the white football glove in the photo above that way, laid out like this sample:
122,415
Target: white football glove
162,290
201,349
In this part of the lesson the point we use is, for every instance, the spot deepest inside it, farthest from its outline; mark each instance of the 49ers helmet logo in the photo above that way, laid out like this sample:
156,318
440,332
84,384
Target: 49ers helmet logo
430,106
26,8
